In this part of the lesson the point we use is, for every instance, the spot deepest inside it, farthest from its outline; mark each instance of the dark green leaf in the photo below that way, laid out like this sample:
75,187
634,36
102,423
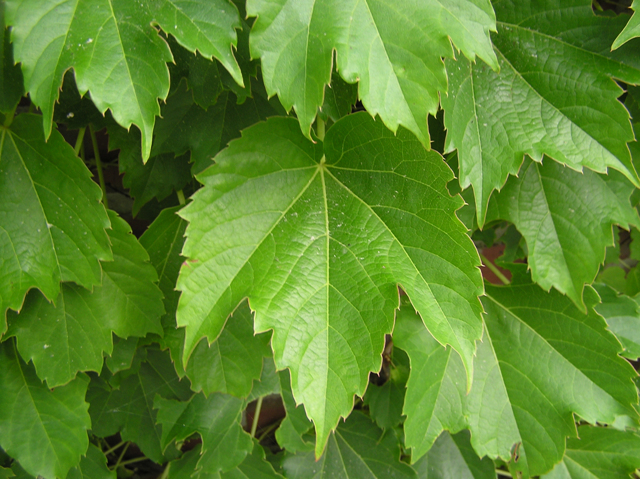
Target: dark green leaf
11,88
385,403
92,466
290,434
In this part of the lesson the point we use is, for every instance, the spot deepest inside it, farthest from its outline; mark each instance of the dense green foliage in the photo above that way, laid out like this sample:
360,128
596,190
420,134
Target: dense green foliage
312,186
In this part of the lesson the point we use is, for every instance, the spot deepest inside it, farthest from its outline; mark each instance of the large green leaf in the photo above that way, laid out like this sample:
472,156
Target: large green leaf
566,218
394,50
358,449
622,315
45,429
631,30
321,235
116,53
554,95
599,453
72,335
53,225
217,419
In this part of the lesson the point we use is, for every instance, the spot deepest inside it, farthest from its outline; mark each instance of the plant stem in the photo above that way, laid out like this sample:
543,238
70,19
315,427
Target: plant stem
9,118
500,472
256,416
165,473
494,269
96,154
181,199
76,148
268,429
117,446
320,128
131,461
124,450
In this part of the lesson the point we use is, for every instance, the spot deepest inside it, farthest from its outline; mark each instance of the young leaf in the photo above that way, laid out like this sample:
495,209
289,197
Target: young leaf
622,315
71,336
553,96
393,50
566,218
217,419
357,449
322,237
452,457
231,363
115,51
44,429
53,225
631,30
599,453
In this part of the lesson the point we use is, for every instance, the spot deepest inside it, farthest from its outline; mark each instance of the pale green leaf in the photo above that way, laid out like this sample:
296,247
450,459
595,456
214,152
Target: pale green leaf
322,235
53,225
631,30
452,457
72,335
44,429
357,450
217,419
231,363
114,50
554,95
622,315
394,50
566,218
92,466
599,453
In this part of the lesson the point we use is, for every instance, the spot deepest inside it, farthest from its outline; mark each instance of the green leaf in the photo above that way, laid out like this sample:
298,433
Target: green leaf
92,466
452,457
11,88
554,96
217,419
339,98
6,473
72,335
269,382
393,50
114,50
385,403
622,315
321,235
231,363
541,362
44,429
122,356
631,30
566,218
53,225
358,449
130,408
292,429
600,453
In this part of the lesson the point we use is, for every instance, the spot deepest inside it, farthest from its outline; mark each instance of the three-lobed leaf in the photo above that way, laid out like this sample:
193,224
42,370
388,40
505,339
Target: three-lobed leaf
321,235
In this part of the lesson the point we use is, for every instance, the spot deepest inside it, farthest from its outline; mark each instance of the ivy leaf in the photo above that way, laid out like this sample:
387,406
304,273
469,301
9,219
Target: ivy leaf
11,83
92,466
231,363
44,429
566,218
622,315
53,224
357,449
452,457
217,419
322,235
600,453
631,30
554,96
114,50
129,409
393,50
71,336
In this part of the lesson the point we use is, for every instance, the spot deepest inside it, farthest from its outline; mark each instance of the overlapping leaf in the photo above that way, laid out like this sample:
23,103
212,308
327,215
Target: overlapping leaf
115,52
44,429
92,466
73,334
292,429
622,315
599,453
394,50
321,235
11,88
357,449
554,95
53,225
631,30
566,218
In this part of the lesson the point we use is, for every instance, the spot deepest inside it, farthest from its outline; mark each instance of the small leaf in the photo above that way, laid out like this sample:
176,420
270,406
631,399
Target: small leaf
566,218
599,453
217,419
357,449
452,457
53,225
631,30
44,429
393,50
622,315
